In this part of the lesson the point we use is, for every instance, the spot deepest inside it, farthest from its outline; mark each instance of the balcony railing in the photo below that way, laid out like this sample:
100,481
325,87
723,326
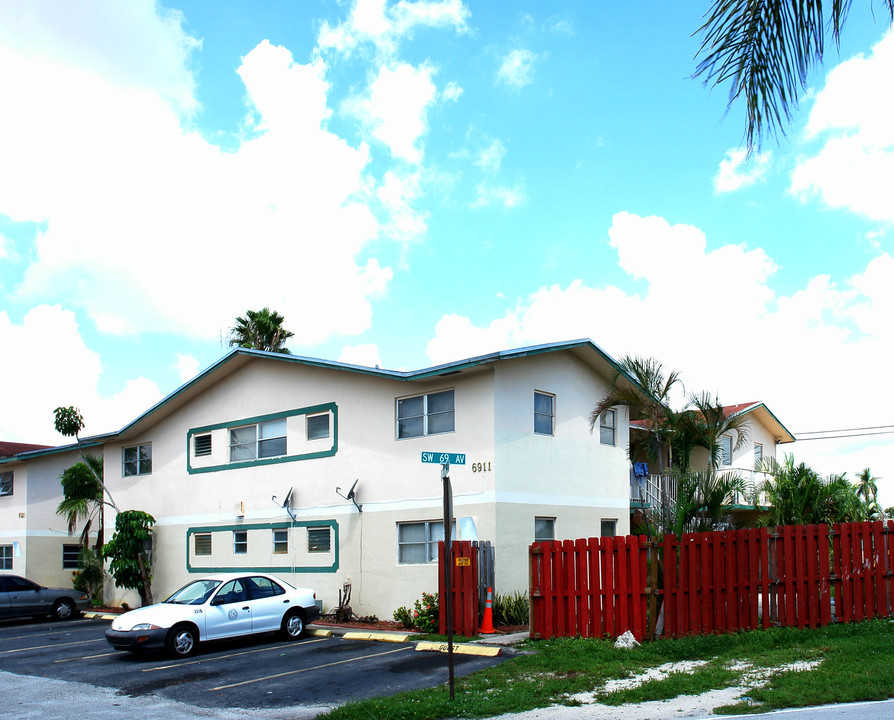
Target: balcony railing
652,491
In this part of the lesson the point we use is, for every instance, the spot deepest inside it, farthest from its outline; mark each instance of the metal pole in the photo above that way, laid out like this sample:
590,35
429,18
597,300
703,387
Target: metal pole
448,556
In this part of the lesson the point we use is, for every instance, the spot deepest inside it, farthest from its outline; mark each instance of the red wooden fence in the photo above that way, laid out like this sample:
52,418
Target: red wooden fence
464,588
715,582
591,588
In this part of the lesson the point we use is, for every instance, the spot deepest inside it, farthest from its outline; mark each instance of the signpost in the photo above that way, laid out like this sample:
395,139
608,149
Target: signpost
444,460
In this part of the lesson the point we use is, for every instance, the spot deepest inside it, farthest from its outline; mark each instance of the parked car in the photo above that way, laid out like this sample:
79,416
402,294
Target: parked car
216,607
20,597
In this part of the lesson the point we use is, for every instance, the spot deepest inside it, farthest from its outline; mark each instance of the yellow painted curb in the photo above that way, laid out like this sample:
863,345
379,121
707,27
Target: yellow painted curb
382,637
461,648
320,633
98,616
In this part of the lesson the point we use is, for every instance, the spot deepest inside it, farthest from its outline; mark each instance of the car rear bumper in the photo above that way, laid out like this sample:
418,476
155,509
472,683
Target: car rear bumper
134,640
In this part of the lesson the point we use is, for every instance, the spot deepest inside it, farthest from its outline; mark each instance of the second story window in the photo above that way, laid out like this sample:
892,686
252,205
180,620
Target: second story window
264,440
607,426
137,460
758,454
544,413
425,415
6,483
726,450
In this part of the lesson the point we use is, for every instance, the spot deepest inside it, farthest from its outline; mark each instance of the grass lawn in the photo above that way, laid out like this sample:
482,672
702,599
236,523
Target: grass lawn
840,663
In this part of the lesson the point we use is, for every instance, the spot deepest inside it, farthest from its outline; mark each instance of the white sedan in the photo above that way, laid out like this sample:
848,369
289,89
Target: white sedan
216,607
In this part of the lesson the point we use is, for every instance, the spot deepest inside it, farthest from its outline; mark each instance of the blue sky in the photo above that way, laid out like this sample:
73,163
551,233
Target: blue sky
415,182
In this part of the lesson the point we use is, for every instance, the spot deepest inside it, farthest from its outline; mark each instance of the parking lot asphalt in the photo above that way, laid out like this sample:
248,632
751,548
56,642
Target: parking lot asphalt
67,670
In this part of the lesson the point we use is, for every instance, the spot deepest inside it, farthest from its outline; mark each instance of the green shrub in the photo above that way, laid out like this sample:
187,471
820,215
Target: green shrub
426,615
511,609
404,616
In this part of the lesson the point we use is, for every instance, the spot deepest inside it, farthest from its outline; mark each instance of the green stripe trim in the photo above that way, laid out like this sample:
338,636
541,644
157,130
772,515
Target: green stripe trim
310,410
285,525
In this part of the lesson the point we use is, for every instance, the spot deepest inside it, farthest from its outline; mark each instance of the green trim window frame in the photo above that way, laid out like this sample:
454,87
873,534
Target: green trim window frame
136,460
240,542
257,441
202,544
242,564
726,450
544,529
317,426
319,539
331,451
423,415
5,557
608,423
417,542
544,413
71,555
7,484
280,542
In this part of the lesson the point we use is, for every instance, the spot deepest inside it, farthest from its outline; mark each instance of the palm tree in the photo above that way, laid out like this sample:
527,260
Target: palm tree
83,497
765,48
261,330
646,399
715,423
867,491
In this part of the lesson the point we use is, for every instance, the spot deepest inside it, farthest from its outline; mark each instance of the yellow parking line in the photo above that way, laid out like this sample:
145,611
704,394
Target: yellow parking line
302,670
225,657
44,647
85,657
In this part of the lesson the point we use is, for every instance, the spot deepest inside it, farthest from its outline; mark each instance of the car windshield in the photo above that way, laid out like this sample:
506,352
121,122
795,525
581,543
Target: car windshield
195,593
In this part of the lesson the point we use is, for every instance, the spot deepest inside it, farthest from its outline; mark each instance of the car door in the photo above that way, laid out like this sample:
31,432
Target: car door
4,598
229,611
25,598
269,603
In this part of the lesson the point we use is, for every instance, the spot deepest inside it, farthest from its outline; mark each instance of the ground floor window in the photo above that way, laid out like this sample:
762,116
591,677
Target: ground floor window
240,542
319,539
280,542
70,555
544,529
417,542
609,528
5,557
202,543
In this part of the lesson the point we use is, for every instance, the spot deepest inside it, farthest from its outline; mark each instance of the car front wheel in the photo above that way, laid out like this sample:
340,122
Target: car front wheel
63,609
182,641
293,625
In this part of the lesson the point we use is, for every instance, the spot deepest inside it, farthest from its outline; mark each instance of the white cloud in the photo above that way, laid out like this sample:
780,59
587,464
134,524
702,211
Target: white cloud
516,68
397,106
737,171
367,355
187,367
451,92
49,365
851,115
713,315
133,201
489,194
374,22
134,45
491,157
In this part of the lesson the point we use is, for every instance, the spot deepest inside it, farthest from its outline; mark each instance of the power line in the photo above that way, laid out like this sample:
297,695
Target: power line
840,430
833,437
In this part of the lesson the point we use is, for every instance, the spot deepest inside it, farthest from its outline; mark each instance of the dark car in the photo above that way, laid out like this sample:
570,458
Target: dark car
20,598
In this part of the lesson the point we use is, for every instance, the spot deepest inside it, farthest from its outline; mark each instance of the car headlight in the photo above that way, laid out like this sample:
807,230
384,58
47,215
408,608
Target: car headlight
145,626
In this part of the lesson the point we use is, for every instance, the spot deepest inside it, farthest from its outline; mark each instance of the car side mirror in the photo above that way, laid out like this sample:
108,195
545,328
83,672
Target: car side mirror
219,600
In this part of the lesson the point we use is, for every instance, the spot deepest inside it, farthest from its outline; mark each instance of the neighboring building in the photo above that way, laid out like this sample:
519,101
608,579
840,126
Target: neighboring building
764,434
249,465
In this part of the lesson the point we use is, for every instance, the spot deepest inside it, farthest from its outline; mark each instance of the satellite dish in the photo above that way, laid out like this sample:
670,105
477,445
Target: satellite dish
288,501
350,495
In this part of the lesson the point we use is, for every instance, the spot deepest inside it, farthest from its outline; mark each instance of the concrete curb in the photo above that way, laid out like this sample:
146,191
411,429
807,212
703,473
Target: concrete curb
99,615
378,636
461,648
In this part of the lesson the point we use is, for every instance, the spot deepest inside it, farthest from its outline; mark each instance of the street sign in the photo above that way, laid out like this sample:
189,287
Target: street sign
442,458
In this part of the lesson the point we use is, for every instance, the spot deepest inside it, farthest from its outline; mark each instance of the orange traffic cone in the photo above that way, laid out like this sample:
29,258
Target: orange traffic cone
487,624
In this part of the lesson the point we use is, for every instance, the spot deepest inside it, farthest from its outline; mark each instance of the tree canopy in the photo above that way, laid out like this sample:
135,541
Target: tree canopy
765,50
261,330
